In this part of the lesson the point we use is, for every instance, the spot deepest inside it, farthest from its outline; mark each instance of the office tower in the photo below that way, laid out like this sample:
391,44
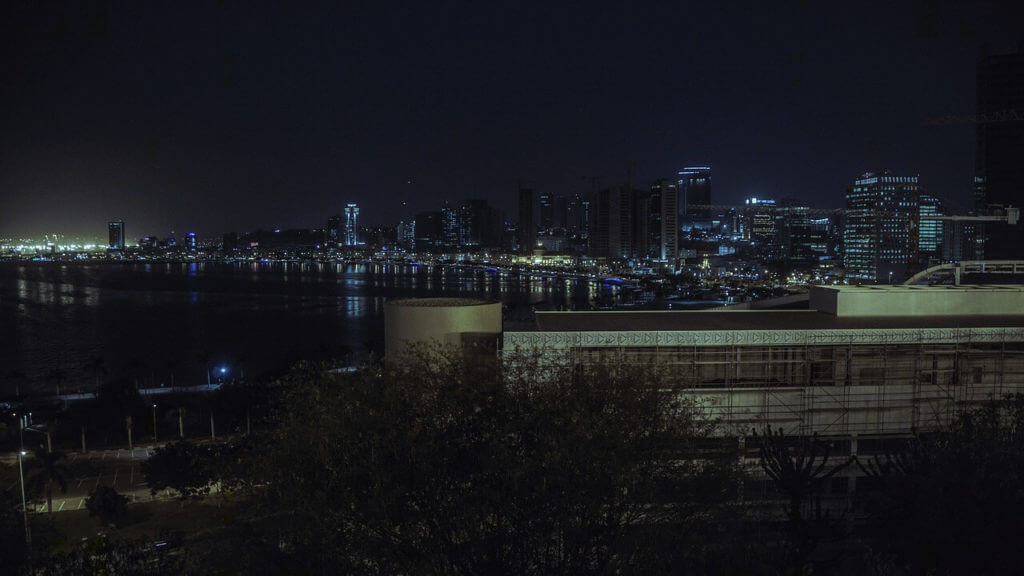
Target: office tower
527,230
479,224
561,218
333,235
695,195
546,203
881,235
429,231
191,241
407,234
999,150
229,242
115,234
351,236
611,227
576,216
929,242
809,240
758,222
663,227
449,225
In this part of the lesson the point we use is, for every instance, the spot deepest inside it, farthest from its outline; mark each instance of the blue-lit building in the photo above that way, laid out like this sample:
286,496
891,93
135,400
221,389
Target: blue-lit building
881,237
351,225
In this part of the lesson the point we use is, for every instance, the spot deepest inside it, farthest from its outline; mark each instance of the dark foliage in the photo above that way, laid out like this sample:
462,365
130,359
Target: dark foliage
182,466
108,555
13,551
447,464
106,504
953,503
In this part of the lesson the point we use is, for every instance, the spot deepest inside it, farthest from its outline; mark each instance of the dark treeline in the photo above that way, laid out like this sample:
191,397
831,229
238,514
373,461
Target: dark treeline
452,464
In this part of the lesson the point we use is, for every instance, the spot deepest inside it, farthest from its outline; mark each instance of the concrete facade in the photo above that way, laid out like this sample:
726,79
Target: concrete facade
862,361
444,321
978,300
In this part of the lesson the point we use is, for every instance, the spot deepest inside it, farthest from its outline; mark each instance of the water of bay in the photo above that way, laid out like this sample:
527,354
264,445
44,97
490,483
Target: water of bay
67,325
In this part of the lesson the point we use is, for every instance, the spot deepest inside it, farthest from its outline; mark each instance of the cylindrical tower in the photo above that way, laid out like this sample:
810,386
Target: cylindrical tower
460,322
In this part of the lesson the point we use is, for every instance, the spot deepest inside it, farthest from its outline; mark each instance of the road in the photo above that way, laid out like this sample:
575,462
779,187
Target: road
119,468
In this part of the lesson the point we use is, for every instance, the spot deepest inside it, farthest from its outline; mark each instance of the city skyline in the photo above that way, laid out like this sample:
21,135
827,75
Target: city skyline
235,133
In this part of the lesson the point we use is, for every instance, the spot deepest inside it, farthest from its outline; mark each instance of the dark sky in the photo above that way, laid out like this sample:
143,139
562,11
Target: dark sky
225,116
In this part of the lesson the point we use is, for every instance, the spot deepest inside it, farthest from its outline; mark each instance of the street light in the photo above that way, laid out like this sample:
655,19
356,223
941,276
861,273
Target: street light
154,422
24,507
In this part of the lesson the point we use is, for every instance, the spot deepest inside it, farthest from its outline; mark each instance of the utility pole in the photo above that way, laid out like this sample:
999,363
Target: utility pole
128,425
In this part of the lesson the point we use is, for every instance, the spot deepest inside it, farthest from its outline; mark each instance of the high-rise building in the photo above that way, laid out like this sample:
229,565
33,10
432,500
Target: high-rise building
561,219
429,231
611,223
577,216
332,236
115,234
881,235
663,227
407,234
546,203
695,195
929,240
351,237
999,150
758,221
229,242
449,225
527,230
479,224
191,241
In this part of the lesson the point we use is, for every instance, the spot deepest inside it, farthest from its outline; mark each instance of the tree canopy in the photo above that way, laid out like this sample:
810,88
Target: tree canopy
446,463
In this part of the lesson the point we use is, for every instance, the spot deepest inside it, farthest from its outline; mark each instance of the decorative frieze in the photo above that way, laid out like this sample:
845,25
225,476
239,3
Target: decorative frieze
687,338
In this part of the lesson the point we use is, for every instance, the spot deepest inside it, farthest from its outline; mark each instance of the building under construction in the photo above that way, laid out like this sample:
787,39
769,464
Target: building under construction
861,361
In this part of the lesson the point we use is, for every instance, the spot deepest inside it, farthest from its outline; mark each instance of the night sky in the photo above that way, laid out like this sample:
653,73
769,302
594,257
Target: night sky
223,116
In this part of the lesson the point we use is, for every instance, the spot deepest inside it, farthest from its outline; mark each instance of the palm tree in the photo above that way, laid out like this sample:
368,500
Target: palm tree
56,374
172,364
49,471
16,376
203,356
135,364
97,366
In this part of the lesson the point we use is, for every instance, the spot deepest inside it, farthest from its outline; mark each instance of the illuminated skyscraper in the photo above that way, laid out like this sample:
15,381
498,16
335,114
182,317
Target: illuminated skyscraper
449,225
881,236
351,225
663,217
929,241
115,234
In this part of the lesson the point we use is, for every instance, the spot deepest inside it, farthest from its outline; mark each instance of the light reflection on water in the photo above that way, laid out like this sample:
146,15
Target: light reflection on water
264,315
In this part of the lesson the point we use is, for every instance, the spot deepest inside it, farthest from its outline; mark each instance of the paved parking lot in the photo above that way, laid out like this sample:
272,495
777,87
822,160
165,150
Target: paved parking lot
119,468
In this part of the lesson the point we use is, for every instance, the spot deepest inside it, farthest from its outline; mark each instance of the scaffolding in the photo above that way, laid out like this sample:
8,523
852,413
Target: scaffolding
834,390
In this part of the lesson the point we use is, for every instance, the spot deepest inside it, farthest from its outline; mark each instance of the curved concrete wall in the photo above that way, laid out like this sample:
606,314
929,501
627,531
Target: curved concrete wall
448,321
